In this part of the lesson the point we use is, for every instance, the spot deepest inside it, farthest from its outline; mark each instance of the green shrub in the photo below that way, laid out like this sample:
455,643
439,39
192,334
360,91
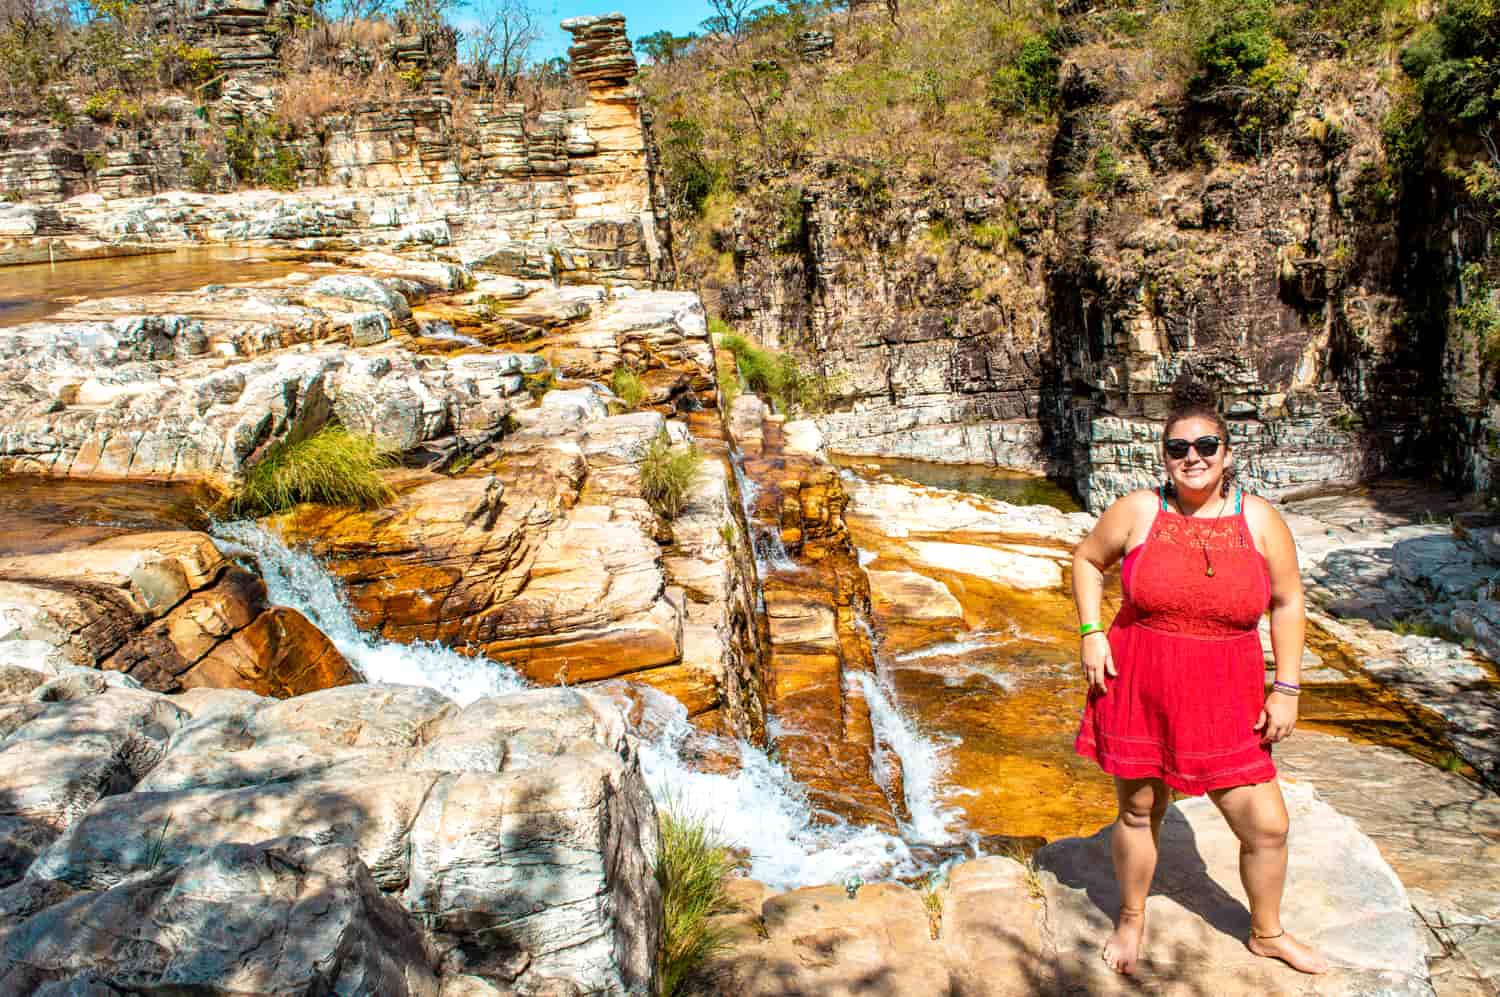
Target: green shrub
691,866
627,386
1456,63
1479,316
332,467
779,378
258,155
729,388
992,235
1028,84
667,472
1243,69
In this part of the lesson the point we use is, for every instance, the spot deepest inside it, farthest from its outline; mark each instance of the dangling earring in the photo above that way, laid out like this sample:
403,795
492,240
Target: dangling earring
1169,489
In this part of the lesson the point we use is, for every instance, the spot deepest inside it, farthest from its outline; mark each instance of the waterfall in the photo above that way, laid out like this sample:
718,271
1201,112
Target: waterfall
296,579
770,552
760,808
922,761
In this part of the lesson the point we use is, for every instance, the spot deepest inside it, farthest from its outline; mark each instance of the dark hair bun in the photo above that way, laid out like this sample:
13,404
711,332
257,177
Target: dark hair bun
1189,394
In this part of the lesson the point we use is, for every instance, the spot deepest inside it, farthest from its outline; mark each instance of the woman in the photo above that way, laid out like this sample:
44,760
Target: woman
1176,686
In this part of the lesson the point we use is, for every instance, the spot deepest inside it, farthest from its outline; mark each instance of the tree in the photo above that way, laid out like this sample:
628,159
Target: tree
501,40
730,18
663,47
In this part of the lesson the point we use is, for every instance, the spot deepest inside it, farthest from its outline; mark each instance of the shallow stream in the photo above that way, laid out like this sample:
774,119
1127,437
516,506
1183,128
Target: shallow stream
31,292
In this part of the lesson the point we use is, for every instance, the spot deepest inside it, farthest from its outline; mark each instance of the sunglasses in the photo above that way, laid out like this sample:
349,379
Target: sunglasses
1206,446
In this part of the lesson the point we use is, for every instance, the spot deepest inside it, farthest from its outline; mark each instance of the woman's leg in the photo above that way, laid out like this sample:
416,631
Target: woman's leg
1257,815
1143,803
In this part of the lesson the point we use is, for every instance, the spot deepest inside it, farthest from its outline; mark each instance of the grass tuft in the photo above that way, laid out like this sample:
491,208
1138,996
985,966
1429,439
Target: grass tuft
627,386
667,473
331,467
778,377
691,866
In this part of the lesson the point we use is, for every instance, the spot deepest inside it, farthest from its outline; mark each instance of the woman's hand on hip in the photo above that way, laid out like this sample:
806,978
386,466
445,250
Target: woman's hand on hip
1098,660
1277,718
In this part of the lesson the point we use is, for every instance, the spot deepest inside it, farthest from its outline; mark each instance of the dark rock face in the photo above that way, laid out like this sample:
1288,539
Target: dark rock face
1019,315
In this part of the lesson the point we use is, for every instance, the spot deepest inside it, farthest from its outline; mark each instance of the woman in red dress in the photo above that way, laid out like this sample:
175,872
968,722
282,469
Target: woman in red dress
1176,685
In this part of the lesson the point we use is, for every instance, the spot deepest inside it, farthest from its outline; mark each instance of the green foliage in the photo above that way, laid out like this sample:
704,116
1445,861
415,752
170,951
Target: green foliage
540,383
691,866
332,467
1456,63
1479,315
992,235
176,63
791,219
690,176
667,472
663,46
1243,69
718,328
627,386
112,106
1028,83
779,378
258,155
201,174
58,110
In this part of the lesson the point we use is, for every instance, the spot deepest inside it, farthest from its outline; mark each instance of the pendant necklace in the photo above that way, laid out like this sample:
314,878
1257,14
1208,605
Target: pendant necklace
1202,538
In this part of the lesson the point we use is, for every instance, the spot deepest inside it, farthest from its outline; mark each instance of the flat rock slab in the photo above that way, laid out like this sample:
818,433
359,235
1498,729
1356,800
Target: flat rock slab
1341,896
1439,832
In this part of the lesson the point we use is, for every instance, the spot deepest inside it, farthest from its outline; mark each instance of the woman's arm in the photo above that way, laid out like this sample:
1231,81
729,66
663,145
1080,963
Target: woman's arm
1288,615
1105,544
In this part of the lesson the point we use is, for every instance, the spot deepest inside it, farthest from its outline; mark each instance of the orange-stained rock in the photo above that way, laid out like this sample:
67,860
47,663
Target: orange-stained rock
166,608
691,687
280,654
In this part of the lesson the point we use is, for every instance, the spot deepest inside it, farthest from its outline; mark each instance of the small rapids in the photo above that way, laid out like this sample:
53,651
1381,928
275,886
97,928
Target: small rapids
922,762
759,809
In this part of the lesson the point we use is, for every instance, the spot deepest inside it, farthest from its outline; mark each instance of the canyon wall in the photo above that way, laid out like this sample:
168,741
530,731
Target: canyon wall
1033,310
571,194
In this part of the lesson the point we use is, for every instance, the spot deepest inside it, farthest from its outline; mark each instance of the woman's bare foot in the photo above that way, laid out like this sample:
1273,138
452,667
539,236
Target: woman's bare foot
1298,955
1124,945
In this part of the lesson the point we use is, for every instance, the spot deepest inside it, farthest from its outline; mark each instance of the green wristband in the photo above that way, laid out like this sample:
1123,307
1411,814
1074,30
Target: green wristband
1090,628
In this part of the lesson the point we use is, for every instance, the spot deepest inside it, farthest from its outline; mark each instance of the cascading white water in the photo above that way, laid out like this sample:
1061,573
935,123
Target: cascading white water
760,809
770,553
923,762
296,579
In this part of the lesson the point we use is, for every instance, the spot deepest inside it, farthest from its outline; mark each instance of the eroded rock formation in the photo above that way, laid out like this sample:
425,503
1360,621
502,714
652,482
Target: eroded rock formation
574,194
377,838
166,609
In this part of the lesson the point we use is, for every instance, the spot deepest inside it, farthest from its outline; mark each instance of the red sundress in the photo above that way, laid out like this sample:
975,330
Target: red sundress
1191,675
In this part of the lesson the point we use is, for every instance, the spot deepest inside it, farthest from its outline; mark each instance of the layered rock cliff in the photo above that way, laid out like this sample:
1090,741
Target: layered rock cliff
1029,302
572,193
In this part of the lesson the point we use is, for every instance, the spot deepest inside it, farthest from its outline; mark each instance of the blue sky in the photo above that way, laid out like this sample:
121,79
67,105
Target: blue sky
642,17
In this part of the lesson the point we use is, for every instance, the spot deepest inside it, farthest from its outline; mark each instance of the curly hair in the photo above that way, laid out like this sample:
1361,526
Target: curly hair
1193,398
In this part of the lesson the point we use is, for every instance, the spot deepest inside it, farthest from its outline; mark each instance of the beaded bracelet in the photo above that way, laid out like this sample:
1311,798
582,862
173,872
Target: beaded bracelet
1286,688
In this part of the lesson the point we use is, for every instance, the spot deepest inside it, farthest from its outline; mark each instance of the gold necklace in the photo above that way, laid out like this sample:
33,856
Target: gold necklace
1202,538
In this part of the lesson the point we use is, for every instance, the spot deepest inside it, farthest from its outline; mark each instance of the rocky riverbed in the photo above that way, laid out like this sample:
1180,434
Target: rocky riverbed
876,673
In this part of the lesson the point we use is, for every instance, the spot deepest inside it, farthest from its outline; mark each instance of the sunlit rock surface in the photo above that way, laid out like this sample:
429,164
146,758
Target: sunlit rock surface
169,610
998,928
511,840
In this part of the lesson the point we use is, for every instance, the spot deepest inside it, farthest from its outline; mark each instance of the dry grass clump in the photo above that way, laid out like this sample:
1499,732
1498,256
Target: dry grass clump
331,467
667,473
